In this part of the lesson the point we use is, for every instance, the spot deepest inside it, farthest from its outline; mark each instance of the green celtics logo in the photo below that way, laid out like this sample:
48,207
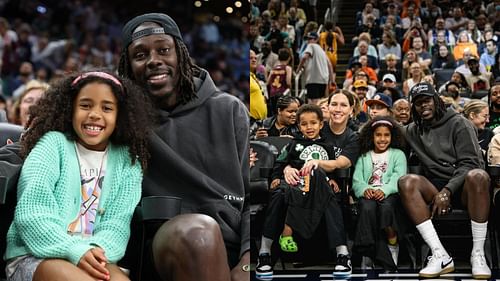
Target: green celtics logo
314,152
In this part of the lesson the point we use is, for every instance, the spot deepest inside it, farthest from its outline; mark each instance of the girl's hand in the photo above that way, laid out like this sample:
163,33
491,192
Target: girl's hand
291,175
378,195
334,185
275,183
309,166
94,263
368,194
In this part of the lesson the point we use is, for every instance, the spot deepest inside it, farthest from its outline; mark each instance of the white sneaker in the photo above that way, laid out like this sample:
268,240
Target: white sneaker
394,249
480,269
437,264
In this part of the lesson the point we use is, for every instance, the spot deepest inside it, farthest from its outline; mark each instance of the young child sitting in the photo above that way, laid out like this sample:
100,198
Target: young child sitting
85,152
305,202
375,184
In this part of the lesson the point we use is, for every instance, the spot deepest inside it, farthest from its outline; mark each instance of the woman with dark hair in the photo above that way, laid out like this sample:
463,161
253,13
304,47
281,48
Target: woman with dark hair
443,59
283,123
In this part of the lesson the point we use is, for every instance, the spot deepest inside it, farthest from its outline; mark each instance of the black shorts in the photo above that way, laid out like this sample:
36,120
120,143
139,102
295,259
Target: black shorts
456,197
315,91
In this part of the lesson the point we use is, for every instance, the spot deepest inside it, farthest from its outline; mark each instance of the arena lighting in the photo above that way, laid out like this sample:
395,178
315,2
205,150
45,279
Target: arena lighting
244,19
237,4
229,10
197,4
216,18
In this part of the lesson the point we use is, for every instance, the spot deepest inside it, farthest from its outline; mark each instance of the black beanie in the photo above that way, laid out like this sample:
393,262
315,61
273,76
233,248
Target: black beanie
168,24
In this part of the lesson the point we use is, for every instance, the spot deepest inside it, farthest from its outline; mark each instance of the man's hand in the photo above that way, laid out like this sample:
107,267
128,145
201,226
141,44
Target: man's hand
94,263
237,273
441,203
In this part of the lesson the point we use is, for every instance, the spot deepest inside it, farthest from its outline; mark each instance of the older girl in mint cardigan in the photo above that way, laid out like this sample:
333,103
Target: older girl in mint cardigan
85,151
375,184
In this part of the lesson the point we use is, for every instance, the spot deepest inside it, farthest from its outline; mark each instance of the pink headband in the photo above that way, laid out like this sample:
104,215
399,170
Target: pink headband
382,122
101,74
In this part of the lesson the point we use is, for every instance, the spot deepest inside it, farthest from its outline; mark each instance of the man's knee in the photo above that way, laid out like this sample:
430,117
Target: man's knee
478,178
188,232
407,183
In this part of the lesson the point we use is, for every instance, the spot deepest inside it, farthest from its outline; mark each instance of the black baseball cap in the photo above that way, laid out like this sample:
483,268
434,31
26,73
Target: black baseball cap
421,89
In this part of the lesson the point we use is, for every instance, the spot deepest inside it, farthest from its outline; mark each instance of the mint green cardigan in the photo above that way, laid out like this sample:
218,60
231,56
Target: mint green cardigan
49,195
363,171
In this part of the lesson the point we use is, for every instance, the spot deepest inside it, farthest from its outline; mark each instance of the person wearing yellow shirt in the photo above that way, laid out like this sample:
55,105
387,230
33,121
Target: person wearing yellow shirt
258,107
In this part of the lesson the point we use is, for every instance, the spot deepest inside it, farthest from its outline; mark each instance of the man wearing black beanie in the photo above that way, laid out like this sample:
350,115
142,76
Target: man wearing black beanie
199,152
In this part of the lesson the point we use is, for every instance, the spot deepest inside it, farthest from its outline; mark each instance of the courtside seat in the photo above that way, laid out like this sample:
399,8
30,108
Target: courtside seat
260,175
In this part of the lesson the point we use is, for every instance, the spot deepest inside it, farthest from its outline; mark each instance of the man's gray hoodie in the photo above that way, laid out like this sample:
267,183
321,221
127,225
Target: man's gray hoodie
199,153
447,149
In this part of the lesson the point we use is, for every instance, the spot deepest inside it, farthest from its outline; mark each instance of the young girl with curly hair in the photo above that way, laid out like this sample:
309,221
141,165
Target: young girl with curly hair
375,184
85,153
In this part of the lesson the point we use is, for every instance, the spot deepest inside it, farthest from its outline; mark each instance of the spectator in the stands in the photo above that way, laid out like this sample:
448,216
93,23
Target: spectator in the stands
459,79
416,76
285,27
453,175
363,50
415,31
411,18
440,41
478,113
362,16
33,91
464,43
389,45
361,90
280,78
276,37
267,57
258,106
391,25
391,67
433,34
477,81
457,21
464,66
494,102
392,10
330,40
417,43
318,69
379,105
24,76
283,121
401,109
473,32
443,59
372,51
409,58
488,57
429,11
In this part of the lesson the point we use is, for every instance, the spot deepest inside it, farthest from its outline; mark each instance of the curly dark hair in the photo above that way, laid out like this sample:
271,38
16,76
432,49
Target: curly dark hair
187,70
54,112
367,131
